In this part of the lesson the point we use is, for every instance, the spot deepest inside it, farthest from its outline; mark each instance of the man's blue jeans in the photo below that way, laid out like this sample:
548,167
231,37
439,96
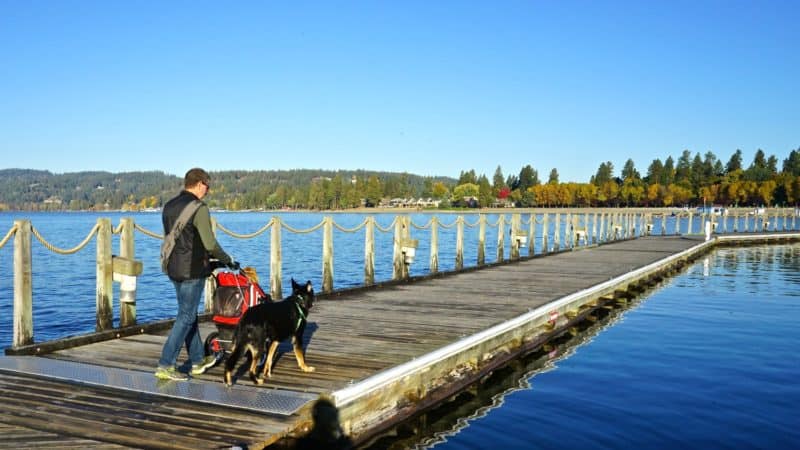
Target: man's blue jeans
185,329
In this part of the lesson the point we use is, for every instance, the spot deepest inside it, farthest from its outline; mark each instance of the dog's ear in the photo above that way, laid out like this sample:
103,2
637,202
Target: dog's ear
294,284
308,286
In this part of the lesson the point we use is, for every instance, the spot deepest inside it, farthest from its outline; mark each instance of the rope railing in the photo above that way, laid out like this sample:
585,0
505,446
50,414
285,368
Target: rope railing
388,228
448,226
63,251
306,231
560,230
471,225
10,233
246,235
350,230
147,232
422,227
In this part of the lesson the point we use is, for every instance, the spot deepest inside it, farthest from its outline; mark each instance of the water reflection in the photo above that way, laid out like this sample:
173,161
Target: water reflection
434,427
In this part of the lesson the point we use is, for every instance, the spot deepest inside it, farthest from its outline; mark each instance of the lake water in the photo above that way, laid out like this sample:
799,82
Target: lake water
706,360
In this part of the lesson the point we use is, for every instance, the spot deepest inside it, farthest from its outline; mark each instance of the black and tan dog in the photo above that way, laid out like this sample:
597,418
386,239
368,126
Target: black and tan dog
273,323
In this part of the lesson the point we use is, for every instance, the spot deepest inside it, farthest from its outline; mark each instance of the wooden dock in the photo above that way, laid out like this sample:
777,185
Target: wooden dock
381,353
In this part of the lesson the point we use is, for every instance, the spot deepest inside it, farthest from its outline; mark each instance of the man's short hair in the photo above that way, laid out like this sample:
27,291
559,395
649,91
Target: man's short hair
194,176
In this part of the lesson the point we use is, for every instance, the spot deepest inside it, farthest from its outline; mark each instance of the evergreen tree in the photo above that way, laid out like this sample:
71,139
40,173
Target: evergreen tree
735,163
605,173
528,177
759,171
468,177
668,176
791,165
655,172
553,179
485,195
683,171
629,171
696,175
498,183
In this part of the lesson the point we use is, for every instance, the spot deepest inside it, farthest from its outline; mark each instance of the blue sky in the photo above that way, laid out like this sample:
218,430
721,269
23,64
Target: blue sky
430,87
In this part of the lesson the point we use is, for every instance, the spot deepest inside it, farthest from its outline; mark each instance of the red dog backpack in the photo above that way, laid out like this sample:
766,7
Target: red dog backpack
234,295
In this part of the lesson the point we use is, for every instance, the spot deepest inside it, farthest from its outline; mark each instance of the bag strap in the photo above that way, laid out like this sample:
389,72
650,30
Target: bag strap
172,237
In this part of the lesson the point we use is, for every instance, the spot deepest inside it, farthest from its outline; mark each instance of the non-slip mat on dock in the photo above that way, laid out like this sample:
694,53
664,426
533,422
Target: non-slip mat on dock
263,400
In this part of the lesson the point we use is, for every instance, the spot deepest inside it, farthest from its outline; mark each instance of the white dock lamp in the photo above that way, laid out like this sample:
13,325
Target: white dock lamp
409,249
522,239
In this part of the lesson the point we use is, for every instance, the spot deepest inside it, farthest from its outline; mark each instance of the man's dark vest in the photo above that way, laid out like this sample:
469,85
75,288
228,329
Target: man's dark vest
189,259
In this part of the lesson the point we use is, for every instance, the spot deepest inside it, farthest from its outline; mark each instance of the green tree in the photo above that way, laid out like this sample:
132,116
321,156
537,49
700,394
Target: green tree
485,195
759,170
528,177
791,165
373,191
629,171
468,177
440,190
465,190
735,163
605,173
553,178
683,170
668,176
498,182
655,171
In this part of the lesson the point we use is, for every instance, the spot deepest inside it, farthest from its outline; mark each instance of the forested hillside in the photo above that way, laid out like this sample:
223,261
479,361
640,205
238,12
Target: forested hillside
23,189
689,179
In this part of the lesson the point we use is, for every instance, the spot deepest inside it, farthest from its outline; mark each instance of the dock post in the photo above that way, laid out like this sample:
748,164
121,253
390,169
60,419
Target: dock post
104,277
481,239
501,230
689,225
601,229
434,263
369,251
23,284
569,231
275,269
532,235
397,260
557,232
127,297
594,229
327,255
572,237
545,232
515,229
459,243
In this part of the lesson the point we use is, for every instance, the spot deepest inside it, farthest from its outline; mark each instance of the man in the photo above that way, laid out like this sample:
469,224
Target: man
188,267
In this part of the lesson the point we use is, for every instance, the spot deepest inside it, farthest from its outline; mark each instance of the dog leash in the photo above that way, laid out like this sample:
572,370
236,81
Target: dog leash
299,311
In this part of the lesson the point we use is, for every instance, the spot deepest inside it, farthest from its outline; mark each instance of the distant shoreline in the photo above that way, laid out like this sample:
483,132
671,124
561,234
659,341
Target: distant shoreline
395,210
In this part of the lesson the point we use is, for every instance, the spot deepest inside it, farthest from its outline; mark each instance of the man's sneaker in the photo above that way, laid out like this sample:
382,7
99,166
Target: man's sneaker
207,363
170,374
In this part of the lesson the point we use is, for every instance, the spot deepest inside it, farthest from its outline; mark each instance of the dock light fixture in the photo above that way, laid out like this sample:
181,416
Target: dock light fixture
522,239
409,249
